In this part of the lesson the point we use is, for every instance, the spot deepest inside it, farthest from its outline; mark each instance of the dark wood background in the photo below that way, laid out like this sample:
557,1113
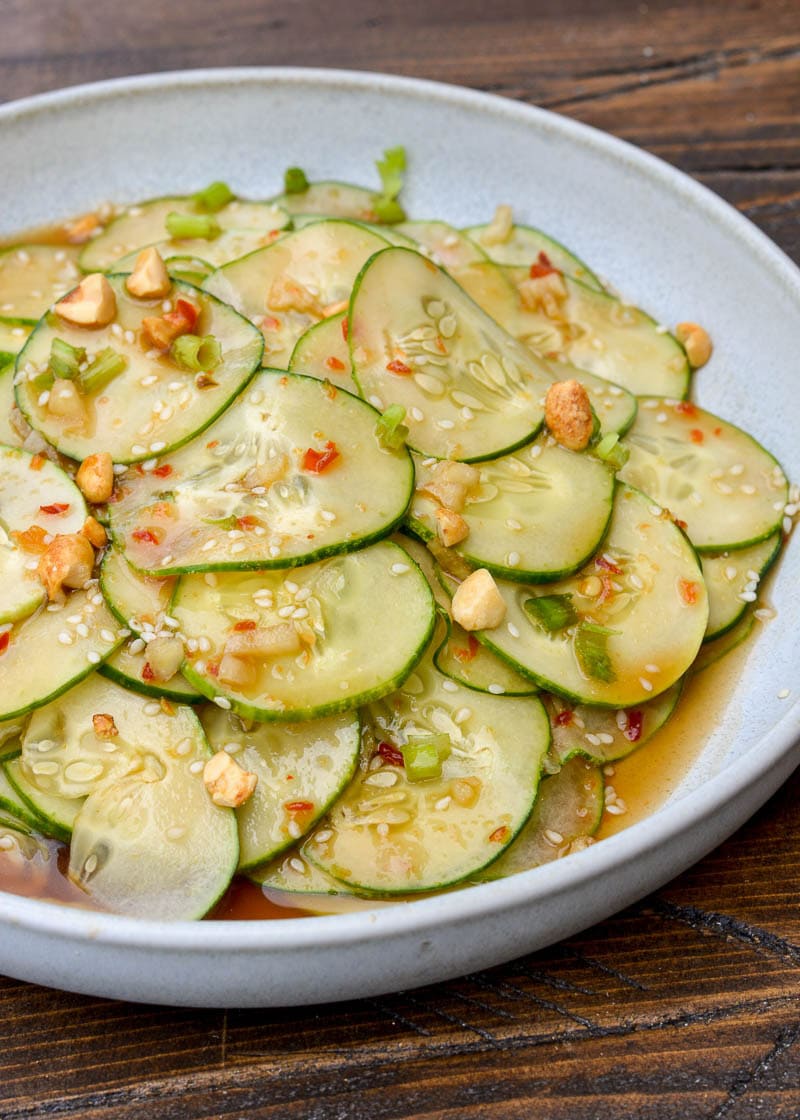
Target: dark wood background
685,1006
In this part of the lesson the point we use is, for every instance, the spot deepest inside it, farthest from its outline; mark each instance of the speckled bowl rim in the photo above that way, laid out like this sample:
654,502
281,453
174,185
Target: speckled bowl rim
775,754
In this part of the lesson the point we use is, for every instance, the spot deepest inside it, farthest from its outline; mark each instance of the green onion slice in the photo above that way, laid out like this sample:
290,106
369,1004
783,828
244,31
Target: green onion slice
611,451
295,181
106,365
391,169
193,353
214,197
551,612
390,429
65,360
591,649
192,225
423,757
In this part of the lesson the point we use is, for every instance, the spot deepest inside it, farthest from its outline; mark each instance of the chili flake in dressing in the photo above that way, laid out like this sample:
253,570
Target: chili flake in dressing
55,509
317,462
688,591
398,367
542,266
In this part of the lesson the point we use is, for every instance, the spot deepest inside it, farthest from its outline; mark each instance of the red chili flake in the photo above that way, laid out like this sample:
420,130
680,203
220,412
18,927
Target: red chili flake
247,522
334,363
164,471
681,524
298,806
718,431
146,536
439,344
633,725
345,328
138,469
542,267
212,667
468,654
290,777
245,624
214,443
564,718
398,367
688,591
686,408
5,638
607,565
695,435
331,392
185,310
315,462
500,835
608,589
56,508
389,753
147,672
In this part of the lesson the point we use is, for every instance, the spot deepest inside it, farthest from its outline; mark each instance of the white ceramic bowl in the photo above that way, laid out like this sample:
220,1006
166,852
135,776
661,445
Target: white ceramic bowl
669,243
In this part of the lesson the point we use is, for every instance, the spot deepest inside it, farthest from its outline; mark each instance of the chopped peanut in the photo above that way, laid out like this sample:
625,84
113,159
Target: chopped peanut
164,656
149,279
227,783
94,532
95,477
81,229
286,294
695,341
451,484
450,527
104,726
568,414
264,641
30,540
236,672
66,402
92,304
68,562
499,229
546,292
477,604
160,331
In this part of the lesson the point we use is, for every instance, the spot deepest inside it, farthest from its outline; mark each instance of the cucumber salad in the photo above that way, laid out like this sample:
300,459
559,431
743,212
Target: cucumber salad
343,551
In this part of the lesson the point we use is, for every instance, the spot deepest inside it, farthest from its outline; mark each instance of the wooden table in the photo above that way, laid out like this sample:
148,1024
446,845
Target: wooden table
683,1006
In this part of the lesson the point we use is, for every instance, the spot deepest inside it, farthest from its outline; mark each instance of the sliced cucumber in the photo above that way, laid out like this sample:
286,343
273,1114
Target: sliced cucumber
566,815
302,768
11,802
296,282
331,200
536,515
641,606
252,493
445,244
145,224
292,880
322,352
459,655
713,651
19,844
54,649
416,339
369,617
12,339
601,735
152,406
127,667
732,579
523,247
54,815
32,278
727,490
8,435
394,836
195,255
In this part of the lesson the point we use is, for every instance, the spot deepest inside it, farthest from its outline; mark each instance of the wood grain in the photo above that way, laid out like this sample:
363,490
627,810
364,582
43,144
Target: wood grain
685,1006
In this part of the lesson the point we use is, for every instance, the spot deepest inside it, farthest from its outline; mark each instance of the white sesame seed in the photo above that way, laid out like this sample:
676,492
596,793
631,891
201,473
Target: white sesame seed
93,657
137,449
222,702
496,689
197,766
748,597
513,631
449,686
443,803
652,669
159,445
553,837
513,559
512,524
167,560
656,510
7,843
635,581
136,646
590,737
399,569
646,684
462,715
783,694
787,525
204,645
65,638
108,635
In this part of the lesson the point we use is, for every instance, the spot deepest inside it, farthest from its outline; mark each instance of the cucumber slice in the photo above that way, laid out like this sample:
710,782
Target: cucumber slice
52,650
566,815
152,406
645,587
247,496
54,815
32,277
12,339
417,339
713,651
291,875
726,489
12,803
583,731
523,247
393,836
516,515
126,667
445,244
302,768
459,655
8,435
330,199
296,282
370,617
322,352
145,224
18,844
195,254
732,579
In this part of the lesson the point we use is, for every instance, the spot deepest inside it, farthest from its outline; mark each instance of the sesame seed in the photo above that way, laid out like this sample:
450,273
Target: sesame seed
136,646
462,715
512,524
787,525
65,638
553,837
513,631
616,810
197,766
399,569
783,694
748,597
443,803
107,636
635,581
159,445
646,684
204,645
513,559
151,709
7,843
656,510
590,737
93,657
167,559
652,669
223,702
496,689
137,449
449,686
